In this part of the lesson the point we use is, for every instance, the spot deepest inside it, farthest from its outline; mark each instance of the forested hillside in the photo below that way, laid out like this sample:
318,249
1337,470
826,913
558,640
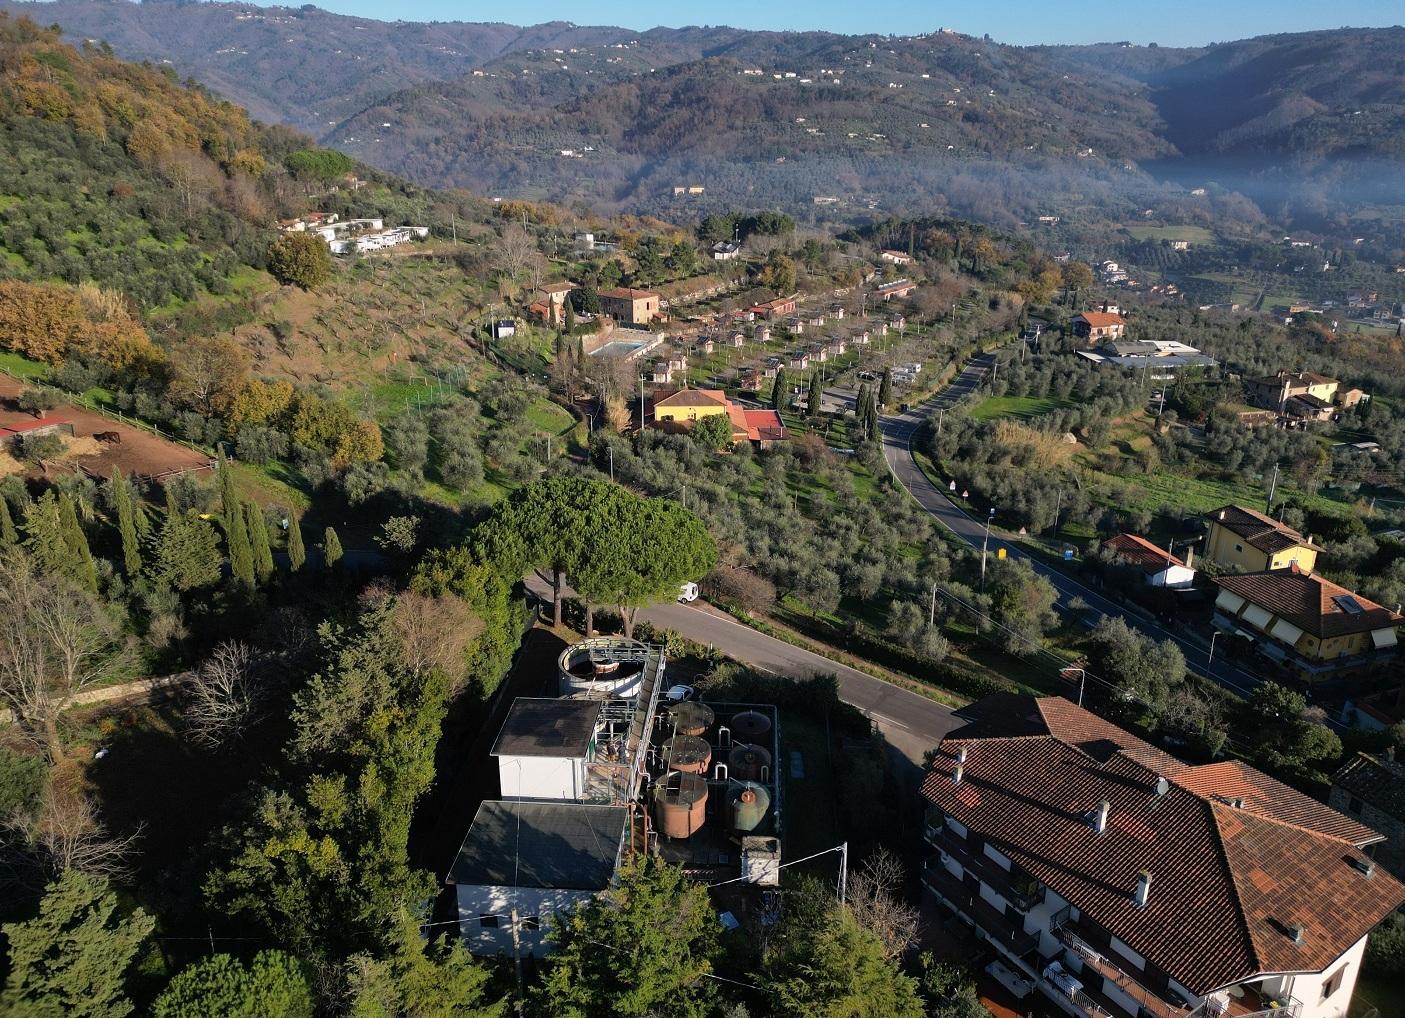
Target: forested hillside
298,65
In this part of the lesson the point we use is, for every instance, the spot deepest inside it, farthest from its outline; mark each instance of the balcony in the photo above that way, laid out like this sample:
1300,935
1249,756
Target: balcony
998,928
1248,1002
1018,888
1113,973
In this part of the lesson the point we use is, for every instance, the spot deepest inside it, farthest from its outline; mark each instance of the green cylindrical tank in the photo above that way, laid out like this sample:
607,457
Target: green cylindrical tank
749,802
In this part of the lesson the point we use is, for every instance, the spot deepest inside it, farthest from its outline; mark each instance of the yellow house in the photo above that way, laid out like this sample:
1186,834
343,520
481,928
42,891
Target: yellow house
1248,542
1309,624
688,405
677,413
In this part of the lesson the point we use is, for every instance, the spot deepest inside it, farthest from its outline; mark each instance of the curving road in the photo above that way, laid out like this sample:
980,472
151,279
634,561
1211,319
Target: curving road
898,431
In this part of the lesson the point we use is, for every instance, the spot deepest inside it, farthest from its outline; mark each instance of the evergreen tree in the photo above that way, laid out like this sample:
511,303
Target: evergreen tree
640,948
185,553
331,548
85,571
415,978
885,388
570,320
126,523
815,398
71,959
258,542
274,984
297,553
229,496
9,537
45,541
780,392
241,555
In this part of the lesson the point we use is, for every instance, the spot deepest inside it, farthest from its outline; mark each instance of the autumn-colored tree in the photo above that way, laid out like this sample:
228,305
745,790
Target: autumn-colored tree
208,372
360,443
258,401
300,259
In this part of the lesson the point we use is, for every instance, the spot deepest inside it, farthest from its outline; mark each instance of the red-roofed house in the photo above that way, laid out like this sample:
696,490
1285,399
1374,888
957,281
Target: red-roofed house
1306,622
1096,326
1122,882
1162,569
678,411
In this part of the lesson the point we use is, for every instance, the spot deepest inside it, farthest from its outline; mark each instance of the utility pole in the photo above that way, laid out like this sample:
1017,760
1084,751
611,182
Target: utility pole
985,542
932,610
612,464
641,405
1272,487
843,871
941,412
516,952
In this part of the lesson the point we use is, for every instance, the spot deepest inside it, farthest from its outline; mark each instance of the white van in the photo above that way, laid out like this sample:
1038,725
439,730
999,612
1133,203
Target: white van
688,592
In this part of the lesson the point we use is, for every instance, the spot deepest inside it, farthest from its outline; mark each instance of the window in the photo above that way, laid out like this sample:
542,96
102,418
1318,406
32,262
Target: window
1333,983
1238,547
488,922
1353,806
531,923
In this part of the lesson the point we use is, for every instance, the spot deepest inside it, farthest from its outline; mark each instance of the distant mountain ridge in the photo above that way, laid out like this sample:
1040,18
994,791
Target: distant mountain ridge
940,120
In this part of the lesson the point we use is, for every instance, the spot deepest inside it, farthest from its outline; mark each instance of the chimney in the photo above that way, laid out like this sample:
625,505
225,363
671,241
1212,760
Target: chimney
961,755
1221,516
1296,932
1100,817
1390,752
1139,896
1190,556
958,774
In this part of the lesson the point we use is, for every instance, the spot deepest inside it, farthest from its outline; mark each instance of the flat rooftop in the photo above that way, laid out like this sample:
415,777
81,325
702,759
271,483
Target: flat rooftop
542,726
541,844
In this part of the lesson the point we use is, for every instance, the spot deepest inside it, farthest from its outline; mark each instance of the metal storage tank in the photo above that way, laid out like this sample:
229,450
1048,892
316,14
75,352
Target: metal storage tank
749,802
687,753
746,763
680,803
750,726
691,717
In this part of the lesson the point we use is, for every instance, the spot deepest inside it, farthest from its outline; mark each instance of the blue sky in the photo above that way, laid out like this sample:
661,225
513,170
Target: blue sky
1169,22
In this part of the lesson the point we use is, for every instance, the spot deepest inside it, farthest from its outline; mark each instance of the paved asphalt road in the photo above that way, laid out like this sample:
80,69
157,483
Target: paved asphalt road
898,431
911,723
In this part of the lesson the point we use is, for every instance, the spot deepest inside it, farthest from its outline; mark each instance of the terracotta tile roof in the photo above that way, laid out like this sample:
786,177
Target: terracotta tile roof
1379,780
764,426
1100,319
694,397
625,293
1227,883
1263,532
1312,603
1235,781
1138,551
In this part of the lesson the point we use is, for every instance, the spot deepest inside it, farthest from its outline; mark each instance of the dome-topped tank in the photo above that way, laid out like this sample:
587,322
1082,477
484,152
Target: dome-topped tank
680,803
749,763
750,726
687,753
749,803
691,717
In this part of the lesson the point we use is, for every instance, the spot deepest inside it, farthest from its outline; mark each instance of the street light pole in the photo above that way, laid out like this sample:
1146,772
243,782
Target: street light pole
985,542
1213,637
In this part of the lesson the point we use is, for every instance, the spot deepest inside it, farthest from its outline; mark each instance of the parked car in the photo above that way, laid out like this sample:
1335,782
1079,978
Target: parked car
688,592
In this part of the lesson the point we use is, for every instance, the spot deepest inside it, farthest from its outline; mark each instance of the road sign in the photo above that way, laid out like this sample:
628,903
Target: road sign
1000,552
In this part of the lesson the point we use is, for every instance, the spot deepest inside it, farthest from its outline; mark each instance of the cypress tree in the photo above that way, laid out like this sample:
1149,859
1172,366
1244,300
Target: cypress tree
230,507
9,537
816,396
241,556
885,388
44,537
570,318
82,567
297,554
184,552
331,548
258,542
126,524
779,395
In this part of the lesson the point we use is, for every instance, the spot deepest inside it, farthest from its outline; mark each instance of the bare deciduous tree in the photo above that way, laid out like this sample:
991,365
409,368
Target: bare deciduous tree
874,896
226,695
63,832
56,640
515,251
435,632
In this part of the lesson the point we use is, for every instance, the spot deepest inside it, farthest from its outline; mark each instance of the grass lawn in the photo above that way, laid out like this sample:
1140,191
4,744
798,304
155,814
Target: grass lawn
22,367
1197,235
1022,407
545,416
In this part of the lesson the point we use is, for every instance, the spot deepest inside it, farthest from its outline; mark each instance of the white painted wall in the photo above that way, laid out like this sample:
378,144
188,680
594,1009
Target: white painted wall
555,778
1308,988
1173,576
475,900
